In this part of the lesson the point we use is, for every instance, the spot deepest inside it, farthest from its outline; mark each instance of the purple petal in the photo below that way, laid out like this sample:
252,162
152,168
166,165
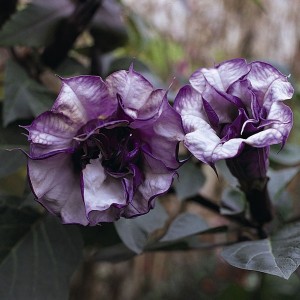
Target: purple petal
91,127
158,180
189,102
198,80
58,188
220,77
278,131
279,90
261,76
103,195
251,164
163,135
204,144
223,108
138,206
83,98
152,106
152,109
50,132
133,89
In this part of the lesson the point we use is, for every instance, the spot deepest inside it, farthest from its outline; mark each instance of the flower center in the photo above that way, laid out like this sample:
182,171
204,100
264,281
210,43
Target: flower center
118,149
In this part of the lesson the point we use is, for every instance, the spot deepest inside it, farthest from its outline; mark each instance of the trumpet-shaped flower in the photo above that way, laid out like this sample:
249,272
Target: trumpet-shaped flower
105,150
235,111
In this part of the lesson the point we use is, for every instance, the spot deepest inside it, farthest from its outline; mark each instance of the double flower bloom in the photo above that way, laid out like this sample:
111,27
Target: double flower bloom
108,148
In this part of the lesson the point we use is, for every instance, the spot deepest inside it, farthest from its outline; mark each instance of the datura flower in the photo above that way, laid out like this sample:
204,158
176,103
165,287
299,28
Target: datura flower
105,150
235,111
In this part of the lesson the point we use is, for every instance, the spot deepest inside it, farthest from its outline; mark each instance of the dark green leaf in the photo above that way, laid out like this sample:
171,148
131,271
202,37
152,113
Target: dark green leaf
35,25
107,27
24,97
233,201
278,255
279,180
190,180
14,223
11,137
40,264
184,225
223,171
288,156
10,162
135,233
70,67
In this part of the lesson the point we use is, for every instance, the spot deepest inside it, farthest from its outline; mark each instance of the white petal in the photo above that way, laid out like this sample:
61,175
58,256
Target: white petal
57,187
100,193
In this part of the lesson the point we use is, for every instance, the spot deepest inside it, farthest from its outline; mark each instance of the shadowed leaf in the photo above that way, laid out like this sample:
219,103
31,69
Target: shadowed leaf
24,97
190,180
10,162
184,225
135,233
34,26
41,260
278,255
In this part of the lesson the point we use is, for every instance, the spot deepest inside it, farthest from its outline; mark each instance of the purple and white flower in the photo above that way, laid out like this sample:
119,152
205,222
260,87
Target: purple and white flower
235,111
105,150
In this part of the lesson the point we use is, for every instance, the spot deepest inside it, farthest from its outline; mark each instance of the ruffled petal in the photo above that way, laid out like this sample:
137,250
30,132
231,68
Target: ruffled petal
103,195
278,131
163,134
57,187
152,107
220,77
138,206
133,88
261,76
158,180
189,102
83,98
242,90
50,132
279,90
224,109
204,144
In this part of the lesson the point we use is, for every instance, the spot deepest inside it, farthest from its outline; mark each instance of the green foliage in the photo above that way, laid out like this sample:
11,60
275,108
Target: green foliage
34,25
38,258
233,201
186,185
184,225
136,233
24,97
277,255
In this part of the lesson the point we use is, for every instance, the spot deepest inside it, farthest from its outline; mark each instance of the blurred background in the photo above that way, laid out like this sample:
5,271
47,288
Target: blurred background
166,40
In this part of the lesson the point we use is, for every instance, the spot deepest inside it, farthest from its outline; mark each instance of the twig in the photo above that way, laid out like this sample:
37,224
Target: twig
216,208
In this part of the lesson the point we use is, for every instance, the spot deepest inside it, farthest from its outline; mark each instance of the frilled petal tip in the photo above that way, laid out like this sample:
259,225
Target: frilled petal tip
133,89
221,76
83,98
277,132
164,135
50,133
